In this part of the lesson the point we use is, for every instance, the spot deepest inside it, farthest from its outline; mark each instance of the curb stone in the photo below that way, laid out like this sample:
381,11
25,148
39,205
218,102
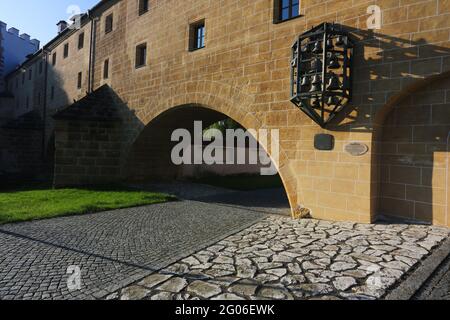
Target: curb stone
414,282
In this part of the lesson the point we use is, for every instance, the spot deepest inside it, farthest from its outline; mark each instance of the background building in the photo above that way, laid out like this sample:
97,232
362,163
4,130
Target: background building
15,48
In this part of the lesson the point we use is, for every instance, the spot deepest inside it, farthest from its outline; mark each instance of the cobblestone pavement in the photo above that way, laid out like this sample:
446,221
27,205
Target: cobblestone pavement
438,286
279,258
113,249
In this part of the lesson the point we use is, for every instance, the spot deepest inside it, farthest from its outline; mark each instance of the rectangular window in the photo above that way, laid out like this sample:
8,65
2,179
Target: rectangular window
286,10
109,23
40,67
66,50
80,78
81,41
39,99
30,74
141,55
17,82
52,93
23,78
106,69
197,36
28,102
54,59
143,6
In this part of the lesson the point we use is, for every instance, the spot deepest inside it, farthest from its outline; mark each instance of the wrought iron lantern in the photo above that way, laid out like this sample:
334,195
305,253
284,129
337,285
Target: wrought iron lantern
321,72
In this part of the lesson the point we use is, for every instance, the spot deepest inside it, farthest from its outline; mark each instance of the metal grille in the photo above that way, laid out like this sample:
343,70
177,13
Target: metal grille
321,72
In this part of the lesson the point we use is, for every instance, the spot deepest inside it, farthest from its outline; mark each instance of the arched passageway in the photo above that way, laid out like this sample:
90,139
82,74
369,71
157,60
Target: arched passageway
150,162
413,154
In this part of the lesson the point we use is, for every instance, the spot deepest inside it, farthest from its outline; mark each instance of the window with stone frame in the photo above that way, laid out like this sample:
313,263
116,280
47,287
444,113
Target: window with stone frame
197,35
141,55
80,78
143,6
109,23
285,10
66,50
106,69
81,41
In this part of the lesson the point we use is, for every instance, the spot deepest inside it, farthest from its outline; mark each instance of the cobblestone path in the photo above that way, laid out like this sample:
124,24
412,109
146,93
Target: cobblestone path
112,249
279,258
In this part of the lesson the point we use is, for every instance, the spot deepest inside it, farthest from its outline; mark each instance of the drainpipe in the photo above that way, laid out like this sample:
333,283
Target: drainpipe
92,41
44,112
447,179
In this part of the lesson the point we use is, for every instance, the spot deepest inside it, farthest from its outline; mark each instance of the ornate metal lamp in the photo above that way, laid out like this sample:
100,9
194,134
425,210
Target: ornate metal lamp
321,72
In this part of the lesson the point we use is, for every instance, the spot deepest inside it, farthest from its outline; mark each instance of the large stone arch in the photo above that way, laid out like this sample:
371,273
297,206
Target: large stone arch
412,152
233,101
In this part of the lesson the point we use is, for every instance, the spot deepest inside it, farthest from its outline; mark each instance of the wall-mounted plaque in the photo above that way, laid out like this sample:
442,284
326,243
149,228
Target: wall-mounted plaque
324,142
356,149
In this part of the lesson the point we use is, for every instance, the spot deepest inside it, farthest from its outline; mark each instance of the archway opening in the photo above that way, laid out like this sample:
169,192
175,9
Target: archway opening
236,180
413,145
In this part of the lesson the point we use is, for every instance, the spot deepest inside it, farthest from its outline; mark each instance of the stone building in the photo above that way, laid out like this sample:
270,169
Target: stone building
151,66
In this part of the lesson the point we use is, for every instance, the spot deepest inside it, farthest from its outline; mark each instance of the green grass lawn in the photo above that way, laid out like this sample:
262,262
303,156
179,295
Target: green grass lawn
242,182
47,203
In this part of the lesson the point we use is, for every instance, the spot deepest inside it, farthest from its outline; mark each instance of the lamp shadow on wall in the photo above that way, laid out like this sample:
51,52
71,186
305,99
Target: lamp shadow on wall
399,97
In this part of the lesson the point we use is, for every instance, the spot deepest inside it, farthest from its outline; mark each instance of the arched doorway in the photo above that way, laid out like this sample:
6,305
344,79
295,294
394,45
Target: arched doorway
413,154
150,162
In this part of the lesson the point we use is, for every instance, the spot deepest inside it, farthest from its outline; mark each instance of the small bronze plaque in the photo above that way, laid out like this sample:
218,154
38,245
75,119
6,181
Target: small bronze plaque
356,148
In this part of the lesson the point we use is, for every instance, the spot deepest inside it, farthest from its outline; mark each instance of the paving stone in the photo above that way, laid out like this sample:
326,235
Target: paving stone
342,266
316,279
191,261
244,271
216,273
153,280
174,285
314,289
162,296
264,278
134,293
223,260
204,289
344,283
243,289
355,273
294,268
274,293
277,272
396,265
307,265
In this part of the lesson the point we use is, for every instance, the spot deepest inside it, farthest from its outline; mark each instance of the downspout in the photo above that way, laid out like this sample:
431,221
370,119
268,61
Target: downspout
44,111
447,221
92,41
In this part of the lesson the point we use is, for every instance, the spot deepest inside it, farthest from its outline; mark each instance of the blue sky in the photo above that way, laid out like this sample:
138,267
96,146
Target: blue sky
38,18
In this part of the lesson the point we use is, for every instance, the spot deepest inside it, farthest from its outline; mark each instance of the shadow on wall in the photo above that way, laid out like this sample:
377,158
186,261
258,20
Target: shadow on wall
409,116
413,155
92,139
27,141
